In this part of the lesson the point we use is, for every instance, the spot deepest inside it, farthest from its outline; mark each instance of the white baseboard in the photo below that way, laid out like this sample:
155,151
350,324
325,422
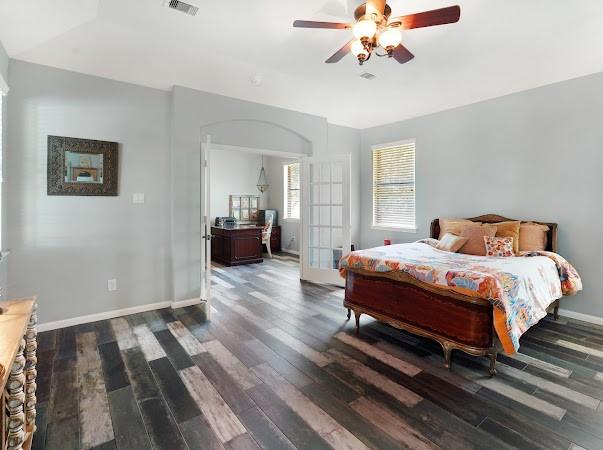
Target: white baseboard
184,303
293,252
115,313
101,316
197,301
580,316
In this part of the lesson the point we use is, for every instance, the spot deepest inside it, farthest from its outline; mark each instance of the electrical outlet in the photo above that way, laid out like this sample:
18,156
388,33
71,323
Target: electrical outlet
138,198
112,285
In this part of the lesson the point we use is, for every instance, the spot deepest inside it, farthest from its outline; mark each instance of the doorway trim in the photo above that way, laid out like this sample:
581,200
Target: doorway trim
205,210
256,150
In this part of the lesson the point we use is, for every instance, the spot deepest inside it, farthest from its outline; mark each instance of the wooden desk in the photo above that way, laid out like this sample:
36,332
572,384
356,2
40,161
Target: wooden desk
238,245
18,373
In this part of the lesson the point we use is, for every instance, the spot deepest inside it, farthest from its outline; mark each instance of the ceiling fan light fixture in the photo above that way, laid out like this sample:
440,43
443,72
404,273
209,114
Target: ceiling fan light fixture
364,29
359,50
390,38
375,28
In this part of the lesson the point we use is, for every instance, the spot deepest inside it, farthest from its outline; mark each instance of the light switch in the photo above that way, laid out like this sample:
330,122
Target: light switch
138,198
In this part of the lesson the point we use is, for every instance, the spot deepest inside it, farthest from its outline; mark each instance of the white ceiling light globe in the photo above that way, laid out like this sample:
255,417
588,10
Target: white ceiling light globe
364,29
390,38
358,49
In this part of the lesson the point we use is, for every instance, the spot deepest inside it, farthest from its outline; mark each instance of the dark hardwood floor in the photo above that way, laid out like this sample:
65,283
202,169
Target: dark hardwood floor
279,366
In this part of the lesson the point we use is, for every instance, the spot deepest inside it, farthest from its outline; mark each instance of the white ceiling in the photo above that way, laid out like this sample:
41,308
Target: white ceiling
498,47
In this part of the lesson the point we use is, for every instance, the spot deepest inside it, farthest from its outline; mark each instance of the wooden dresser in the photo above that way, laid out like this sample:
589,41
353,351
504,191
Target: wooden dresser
17,373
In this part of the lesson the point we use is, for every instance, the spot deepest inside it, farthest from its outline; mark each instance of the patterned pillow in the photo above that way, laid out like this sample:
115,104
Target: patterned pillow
499,246
451,243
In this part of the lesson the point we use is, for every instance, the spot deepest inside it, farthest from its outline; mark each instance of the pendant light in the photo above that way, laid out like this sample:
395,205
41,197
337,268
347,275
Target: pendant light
262,181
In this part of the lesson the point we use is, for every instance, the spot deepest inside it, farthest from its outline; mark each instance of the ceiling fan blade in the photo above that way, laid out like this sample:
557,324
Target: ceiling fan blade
402,54
441,16
336,57
375,7
313,24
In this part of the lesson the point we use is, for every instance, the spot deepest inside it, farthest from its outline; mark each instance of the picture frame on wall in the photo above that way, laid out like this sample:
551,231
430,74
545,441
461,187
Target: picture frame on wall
244,208
82,167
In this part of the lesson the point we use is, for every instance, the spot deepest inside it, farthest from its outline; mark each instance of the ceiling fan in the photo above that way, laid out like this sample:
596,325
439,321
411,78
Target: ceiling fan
374,28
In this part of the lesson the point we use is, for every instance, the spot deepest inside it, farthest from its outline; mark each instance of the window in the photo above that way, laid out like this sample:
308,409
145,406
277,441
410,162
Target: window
292,191
394,186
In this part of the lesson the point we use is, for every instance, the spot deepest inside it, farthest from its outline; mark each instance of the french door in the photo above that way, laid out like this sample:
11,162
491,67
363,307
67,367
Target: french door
205,269
326,218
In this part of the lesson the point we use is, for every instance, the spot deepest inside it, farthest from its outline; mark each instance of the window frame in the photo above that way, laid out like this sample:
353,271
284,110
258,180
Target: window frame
285,218
398,228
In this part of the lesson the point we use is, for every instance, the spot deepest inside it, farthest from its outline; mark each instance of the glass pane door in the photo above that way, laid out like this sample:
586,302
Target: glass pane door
326,218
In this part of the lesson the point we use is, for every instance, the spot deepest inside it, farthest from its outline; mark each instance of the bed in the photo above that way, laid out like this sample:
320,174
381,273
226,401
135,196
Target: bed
457,318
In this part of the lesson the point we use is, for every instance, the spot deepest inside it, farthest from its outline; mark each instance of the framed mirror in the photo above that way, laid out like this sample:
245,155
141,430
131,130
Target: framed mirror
81,166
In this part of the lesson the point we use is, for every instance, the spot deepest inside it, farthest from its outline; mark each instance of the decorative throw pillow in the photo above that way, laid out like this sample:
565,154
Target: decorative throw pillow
451,243
499,246
532,237
454,226
509,229
429,241
475,239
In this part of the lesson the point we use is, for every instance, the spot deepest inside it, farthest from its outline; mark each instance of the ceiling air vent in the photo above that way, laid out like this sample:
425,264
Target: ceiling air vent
186,8
367,76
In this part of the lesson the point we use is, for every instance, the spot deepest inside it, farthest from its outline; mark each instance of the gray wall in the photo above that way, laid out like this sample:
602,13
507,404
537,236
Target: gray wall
3,63
532,155
64,249
233,172
3,261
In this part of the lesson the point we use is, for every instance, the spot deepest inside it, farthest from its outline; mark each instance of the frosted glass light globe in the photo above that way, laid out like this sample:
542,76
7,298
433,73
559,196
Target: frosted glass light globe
364,29
390,38
358,49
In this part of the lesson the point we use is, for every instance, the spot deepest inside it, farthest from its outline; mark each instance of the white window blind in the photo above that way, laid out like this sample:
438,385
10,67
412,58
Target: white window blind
394,185
292,191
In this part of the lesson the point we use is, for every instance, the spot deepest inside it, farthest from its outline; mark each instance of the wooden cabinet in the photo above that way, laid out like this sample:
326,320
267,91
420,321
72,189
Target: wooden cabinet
233,246
275,239
17,373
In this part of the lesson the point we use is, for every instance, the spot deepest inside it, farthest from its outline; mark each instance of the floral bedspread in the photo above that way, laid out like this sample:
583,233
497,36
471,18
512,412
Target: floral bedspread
521,288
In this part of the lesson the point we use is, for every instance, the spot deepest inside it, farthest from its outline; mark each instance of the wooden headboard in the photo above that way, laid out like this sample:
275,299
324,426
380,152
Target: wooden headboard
551,244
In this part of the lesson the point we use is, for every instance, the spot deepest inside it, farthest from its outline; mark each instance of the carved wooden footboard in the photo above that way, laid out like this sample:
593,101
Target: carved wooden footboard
18,360
454,320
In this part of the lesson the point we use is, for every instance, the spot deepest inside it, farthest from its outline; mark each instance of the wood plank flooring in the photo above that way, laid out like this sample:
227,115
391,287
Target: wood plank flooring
280,367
